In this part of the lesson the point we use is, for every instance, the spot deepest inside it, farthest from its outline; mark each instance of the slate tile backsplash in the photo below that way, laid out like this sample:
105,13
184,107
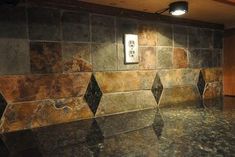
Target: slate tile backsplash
61,65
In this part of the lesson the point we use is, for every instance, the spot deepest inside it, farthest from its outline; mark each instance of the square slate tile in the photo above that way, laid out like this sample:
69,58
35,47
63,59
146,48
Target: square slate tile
164,34
194,37
147,57
13,23
76,57
44,24
218,39
200,58
45,57
75,26
125,26
180,36
206,38
14,56
180,58
164,57
103,28
104,57
121,62
147,34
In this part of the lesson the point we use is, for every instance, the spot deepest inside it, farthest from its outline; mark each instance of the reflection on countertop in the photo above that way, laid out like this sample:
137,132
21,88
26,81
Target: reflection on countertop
189,129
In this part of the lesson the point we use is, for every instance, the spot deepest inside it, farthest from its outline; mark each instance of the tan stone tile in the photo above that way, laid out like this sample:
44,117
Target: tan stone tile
212,74
147,57
180,59
213,90
147,34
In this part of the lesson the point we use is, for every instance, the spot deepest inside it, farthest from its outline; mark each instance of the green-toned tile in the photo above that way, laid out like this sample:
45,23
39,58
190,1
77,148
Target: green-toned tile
103,28
125,26
113,103
199,58
44,24
147,57
206,38
14,56
13,23
121,62
104,57
45,57
180,58
76,26
218,39
147,34
180,36
164,57
177,94
164,34
217,58
194,37
76,57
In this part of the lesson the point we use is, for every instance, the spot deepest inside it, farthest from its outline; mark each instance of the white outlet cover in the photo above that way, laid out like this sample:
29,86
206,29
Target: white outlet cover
131,48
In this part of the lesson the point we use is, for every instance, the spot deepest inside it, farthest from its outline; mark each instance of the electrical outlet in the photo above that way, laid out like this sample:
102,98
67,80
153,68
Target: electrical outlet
131,48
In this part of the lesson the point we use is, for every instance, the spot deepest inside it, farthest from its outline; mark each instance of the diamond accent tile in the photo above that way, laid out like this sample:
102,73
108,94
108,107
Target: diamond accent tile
3,105
201,83
157,88
93,94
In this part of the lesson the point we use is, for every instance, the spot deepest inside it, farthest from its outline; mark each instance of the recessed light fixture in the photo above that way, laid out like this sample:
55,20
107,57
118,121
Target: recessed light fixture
176,8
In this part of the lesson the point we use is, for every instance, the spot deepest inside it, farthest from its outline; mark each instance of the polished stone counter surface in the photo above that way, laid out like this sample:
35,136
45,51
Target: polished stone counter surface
192,129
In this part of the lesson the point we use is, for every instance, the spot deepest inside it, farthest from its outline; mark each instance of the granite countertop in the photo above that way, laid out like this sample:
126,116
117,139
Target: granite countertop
189,129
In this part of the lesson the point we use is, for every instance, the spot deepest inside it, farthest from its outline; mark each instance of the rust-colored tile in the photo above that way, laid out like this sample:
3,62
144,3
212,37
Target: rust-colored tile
212,74
212,90
45,57
42,113
18,88
147,34
148,57
180,58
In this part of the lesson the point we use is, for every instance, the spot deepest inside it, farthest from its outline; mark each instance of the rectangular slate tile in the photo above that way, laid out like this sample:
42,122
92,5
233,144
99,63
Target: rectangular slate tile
44,24
164,34
206,38
180,58
125,80
76,26
147,57
199,58
13,23
76,57
218,39
178,77
164,57
194,37
45,57
126,122
29,115
18,88
14,56
178,94
104,57
217,58
103,28
121,62
213,90
212,74
125,26
147,33
180,36
113,103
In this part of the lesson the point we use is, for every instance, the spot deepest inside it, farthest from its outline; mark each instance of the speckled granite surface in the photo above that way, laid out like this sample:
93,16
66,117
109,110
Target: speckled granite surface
192,129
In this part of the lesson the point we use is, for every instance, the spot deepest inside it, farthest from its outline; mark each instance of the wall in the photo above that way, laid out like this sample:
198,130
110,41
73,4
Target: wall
229,65
60,66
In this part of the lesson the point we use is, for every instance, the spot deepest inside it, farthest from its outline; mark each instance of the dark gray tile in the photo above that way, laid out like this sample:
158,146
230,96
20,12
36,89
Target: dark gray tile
199,58
125,26
44,24
13,23
164,35
217,58
75,26
103,28
206,38
180,36
218,39
194,37
164,57
14,56
157,88
104,57
3,105
201,83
